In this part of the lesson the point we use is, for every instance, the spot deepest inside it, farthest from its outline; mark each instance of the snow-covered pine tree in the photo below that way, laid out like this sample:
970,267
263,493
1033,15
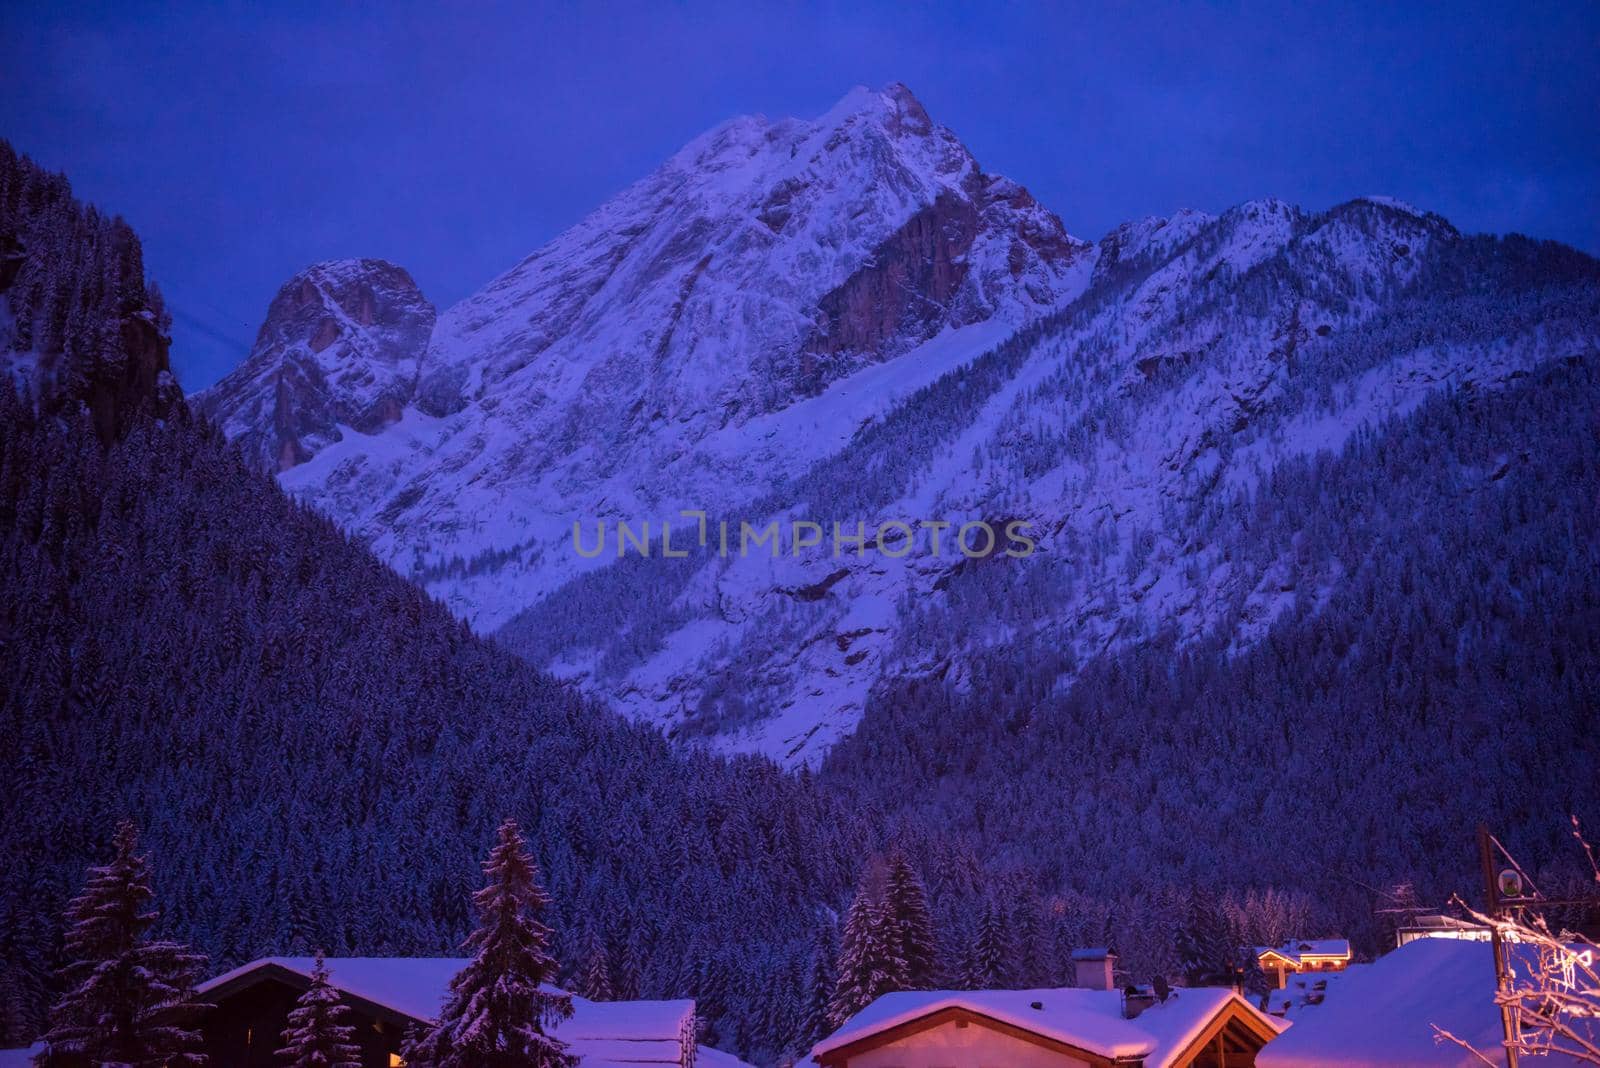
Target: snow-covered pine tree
626,968
127,997
816,1013
907,902
714,986
1253,979
316,1036
962,952
1207,944
497,1015
869,956
995,951
594,980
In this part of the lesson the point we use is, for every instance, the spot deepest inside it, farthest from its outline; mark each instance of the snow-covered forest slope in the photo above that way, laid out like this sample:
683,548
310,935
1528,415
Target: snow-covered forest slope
316,752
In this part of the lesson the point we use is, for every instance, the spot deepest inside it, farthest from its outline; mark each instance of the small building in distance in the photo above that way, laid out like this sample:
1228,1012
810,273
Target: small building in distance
1437,925
1303,955
1205,1027
386,996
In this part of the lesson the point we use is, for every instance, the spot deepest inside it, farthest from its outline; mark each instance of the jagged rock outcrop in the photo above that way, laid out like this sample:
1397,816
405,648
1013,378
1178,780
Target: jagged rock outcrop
626,360
79,326
340,347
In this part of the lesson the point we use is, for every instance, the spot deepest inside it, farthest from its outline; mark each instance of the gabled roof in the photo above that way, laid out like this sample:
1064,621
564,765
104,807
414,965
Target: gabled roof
1295,951
1089,1021
413,987
1383,1016
603,1033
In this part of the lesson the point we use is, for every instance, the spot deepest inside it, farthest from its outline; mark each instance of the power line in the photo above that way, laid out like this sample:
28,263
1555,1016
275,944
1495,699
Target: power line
215,333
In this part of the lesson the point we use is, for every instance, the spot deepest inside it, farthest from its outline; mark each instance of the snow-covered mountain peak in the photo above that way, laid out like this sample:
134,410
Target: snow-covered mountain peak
339,349
1393,202
631,364
771,234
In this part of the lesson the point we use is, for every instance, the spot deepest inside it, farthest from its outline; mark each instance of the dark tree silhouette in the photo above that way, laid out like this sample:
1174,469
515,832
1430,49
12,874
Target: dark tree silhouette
498,1013
128,996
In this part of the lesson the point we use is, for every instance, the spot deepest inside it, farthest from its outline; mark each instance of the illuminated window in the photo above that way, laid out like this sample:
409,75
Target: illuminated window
395,1061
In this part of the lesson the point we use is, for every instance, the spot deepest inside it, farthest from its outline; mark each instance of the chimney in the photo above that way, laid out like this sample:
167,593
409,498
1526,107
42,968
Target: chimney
1093,968
1135,1000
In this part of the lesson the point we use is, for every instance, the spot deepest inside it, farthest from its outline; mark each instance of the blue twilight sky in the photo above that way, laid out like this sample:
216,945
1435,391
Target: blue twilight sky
245,141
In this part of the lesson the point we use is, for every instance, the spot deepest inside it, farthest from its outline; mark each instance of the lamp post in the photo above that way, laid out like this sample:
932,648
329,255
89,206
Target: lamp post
1502,978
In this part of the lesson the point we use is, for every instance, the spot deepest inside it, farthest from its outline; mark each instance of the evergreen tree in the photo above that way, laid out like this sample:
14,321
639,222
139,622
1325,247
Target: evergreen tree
1207,945
1253,979
821,981
907,902
497,1015
713,986
594,980
869,955
316,1036
625,973
995,951
127,996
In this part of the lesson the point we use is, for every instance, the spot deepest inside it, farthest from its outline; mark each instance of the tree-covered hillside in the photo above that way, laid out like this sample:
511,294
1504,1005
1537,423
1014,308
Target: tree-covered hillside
317,754
1452,675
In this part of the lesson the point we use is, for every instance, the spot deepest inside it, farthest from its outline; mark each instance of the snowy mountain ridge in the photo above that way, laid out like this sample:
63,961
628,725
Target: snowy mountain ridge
847,321
1125,429
762,264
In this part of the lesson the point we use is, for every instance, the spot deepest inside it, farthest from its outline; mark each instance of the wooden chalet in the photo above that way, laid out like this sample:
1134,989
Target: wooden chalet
1056,1028
1304,955
249,1008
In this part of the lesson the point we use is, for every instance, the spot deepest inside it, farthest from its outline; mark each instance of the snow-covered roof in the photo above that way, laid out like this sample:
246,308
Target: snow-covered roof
1307,990
1090,1020
602,1033
610,1052
411,986
1383,1016
1297,949
23,1058
706,1057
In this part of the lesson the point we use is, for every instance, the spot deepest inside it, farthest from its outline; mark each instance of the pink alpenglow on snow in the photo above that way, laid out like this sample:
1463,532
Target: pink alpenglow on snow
1037,1028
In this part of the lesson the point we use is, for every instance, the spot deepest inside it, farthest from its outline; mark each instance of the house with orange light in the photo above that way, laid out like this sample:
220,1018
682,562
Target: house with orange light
1091,1025
1304,955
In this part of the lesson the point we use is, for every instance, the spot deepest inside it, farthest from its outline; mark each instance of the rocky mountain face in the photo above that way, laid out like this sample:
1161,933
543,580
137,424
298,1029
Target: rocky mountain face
79,326
846,322
629,368
1134,432
340,349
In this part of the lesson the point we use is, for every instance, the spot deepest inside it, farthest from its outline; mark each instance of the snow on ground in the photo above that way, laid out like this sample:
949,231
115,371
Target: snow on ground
1384,1016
